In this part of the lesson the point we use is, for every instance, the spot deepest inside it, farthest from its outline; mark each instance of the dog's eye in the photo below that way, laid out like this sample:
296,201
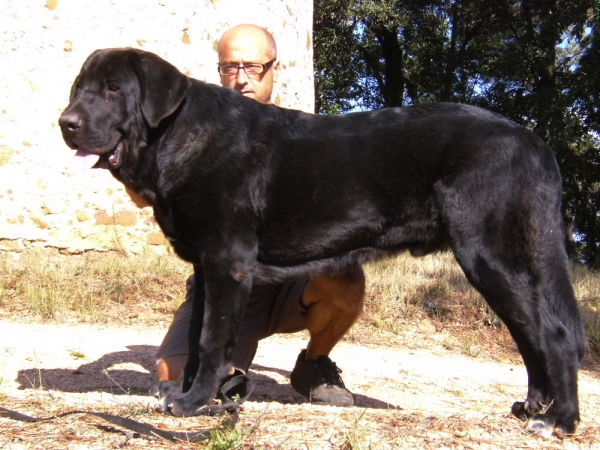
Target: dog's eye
113,87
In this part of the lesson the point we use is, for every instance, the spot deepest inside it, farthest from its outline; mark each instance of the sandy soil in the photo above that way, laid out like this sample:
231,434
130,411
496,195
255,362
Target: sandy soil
417,397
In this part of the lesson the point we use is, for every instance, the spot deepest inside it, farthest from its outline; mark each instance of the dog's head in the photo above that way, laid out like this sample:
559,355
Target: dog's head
117,97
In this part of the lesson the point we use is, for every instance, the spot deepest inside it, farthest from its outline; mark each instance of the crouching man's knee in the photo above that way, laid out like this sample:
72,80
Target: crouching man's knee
344,292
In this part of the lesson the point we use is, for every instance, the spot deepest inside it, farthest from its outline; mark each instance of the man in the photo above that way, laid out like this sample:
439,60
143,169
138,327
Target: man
326,306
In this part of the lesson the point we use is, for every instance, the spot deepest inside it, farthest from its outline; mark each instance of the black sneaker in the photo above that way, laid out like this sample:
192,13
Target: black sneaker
319,380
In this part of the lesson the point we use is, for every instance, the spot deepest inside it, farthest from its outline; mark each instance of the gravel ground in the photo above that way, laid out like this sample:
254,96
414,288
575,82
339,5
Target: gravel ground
412,396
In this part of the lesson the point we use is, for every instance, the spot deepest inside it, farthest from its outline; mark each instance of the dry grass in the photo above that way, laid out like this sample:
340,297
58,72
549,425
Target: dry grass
112,287
587,290
82,431
405,290
44,285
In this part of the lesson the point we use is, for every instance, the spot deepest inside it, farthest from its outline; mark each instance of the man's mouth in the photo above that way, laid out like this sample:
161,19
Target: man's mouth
88,160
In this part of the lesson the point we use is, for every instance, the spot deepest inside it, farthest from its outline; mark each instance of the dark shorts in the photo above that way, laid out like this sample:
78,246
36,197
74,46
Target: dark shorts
270,310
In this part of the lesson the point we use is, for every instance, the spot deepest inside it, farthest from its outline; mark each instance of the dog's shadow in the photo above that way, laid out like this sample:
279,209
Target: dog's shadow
120,373
133,372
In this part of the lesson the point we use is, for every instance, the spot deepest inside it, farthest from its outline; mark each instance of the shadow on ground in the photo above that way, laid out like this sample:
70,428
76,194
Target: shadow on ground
133,372
120,373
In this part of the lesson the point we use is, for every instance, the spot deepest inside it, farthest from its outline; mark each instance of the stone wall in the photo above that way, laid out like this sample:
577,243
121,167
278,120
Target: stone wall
44,200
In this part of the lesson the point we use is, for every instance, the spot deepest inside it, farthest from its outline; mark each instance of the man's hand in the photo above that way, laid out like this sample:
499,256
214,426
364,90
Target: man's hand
136,198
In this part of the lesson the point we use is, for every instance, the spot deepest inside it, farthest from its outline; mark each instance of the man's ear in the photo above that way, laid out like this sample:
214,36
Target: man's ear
276,70
163,87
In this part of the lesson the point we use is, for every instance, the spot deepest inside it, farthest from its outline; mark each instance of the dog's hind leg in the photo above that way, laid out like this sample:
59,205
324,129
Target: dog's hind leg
563,338
533,296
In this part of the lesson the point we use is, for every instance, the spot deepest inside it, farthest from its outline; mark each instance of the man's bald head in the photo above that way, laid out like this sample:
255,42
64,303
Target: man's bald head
249,34
245,44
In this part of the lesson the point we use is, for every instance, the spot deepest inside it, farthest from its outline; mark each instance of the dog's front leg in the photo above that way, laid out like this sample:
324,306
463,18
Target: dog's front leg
227,282
195,329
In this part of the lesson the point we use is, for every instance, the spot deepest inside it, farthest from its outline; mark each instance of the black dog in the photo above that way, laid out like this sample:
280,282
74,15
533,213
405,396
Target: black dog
251,193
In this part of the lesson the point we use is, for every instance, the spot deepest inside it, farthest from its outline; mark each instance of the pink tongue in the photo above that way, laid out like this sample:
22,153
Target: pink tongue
85,160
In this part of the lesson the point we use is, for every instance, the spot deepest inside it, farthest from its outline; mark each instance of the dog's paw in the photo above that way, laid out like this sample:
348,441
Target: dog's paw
185,405
527,409
546,425
173,401
565,430
541,425
518,410
168,392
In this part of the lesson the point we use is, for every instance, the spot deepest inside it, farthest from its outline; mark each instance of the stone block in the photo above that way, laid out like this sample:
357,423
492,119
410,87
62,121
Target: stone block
44,201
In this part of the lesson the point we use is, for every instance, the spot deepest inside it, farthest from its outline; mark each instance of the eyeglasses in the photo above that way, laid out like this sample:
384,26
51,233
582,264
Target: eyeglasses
251,69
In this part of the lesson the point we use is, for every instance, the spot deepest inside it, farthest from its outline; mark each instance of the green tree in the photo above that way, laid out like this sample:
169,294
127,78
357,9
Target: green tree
580,158
534,61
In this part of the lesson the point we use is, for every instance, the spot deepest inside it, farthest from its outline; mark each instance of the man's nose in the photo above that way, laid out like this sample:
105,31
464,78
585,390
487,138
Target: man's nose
241,77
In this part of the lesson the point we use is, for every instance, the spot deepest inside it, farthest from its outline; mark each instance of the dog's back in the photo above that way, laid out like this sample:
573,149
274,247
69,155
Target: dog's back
381,185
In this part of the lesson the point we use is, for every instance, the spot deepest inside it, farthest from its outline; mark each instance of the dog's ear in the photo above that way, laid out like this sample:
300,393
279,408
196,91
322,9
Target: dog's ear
163,87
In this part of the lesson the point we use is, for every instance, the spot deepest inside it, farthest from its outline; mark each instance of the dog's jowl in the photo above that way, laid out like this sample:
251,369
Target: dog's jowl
244,188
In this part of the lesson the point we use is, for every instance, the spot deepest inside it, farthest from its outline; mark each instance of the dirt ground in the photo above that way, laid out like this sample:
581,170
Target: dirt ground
411,393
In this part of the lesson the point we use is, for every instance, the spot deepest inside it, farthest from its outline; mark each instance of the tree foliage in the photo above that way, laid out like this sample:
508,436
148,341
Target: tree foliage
534,61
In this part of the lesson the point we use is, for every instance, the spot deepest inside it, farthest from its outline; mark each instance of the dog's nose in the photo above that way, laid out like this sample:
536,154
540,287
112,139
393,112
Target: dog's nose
69,122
